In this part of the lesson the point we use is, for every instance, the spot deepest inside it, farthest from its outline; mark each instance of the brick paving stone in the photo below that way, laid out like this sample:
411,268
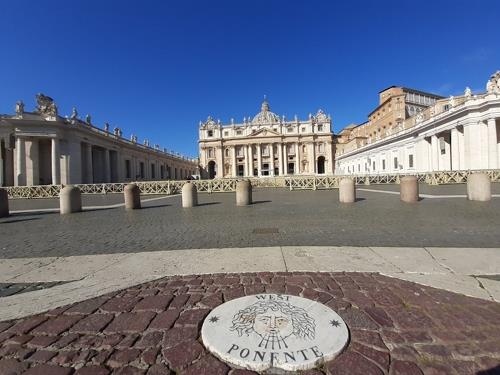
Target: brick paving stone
92,370
129,370
65,340
42,356
12,366
120,358
207,365
159,369
179,301
120,304
130,322
92,324
21,339
49,370
153,303
26,325
56,326
181,355
351,363
149,340
404,368
242,372
87,307
179,334
42,341
149,356
192,317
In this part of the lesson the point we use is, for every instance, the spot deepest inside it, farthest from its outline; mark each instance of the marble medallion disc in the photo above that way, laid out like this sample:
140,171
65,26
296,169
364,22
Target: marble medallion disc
274,331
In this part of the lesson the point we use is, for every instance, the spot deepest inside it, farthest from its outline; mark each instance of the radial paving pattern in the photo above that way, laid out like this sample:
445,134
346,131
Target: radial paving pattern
396,327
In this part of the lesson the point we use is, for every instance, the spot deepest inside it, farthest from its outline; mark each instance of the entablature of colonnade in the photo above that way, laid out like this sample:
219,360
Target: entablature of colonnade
475,110
45,122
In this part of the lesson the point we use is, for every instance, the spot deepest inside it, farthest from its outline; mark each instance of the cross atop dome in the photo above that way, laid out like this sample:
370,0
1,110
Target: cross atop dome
265,116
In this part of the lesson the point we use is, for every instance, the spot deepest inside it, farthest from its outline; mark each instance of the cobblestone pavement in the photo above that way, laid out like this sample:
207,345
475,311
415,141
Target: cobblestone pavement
396,327
278,218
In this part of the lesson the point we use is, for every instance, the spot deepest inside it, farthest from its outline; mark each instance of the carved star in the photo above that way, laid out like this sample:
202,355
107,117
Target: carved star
334,323
214,319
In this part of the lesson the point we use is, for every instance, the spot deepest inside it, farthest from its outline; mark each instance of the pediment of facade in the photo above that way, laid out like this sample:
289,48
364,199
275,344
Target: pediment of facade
265,132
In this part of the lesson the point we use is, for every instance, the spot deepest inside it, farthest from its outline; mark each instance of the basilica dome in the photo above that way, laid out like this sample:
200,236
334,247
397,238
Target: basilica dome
265,116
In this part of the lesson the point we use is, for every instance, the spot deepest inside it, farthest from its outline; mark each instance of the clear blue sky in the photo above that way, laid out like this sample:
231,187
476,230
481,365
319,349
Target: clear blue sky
156,68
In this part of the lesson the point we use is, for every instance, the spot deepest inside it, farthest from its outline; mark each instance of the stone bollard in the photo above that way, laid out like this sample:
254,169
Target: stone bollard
189,195
478,187
347,191
132,195
4,203
243,193
70,200
408,189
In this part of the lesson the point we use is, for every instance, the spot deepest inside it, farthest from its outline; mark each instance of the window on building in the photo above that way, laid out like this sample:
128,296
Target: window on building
303,130
226,152
239,132
446,107
226,133
210,152
289,130
265,169
410,161
153,171
210,133
383,165
128,173
265,150
374,166
395,163
239,151
320,128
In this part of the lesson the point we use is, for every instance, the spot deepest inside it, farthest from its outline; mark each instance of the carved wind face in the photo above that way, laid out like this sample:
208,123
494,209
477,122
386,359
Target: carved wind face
273,323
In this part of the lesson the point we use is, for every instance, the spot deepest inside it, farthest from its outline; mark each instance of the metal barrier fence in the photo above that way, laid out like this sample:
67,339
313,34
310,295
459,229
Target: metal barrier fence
229,184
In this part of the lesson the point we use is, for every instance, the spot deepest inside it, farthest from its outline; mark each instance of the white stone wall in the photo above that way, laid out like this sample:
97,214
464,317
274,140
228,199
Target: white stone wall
465,137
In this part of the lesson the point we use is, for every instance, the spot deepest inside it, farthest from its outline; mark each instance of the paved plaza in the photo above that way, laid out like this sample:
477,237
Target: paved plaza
125,292
278,217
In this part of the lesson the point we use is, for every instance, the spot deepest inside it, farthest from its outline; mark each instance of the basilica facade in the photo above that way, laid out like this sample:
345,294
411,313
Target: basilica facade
267,145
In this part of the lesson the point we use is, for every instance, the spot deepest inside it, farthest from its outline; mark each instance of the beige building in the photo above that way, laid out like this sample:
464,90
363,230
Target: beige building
41,148
454,134
267,145
396,104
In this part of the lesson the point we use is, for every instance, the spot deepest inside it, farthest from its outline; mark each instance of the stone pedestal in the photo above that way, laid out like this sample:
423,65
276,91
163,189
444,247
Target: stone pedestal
243,193
408,189
478,187
70,200
189,195
4,203
347,191
132,195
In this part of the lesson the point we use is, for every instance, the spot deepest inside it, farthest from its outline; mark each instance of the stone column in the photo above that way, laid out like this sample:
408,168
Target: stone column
107,166
233,161
250,160
312,158
297,157
56,164
280,159
89,171
259,161
455,150
271,165
285,159
461,149
492,144
245,155
434,153
20,162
